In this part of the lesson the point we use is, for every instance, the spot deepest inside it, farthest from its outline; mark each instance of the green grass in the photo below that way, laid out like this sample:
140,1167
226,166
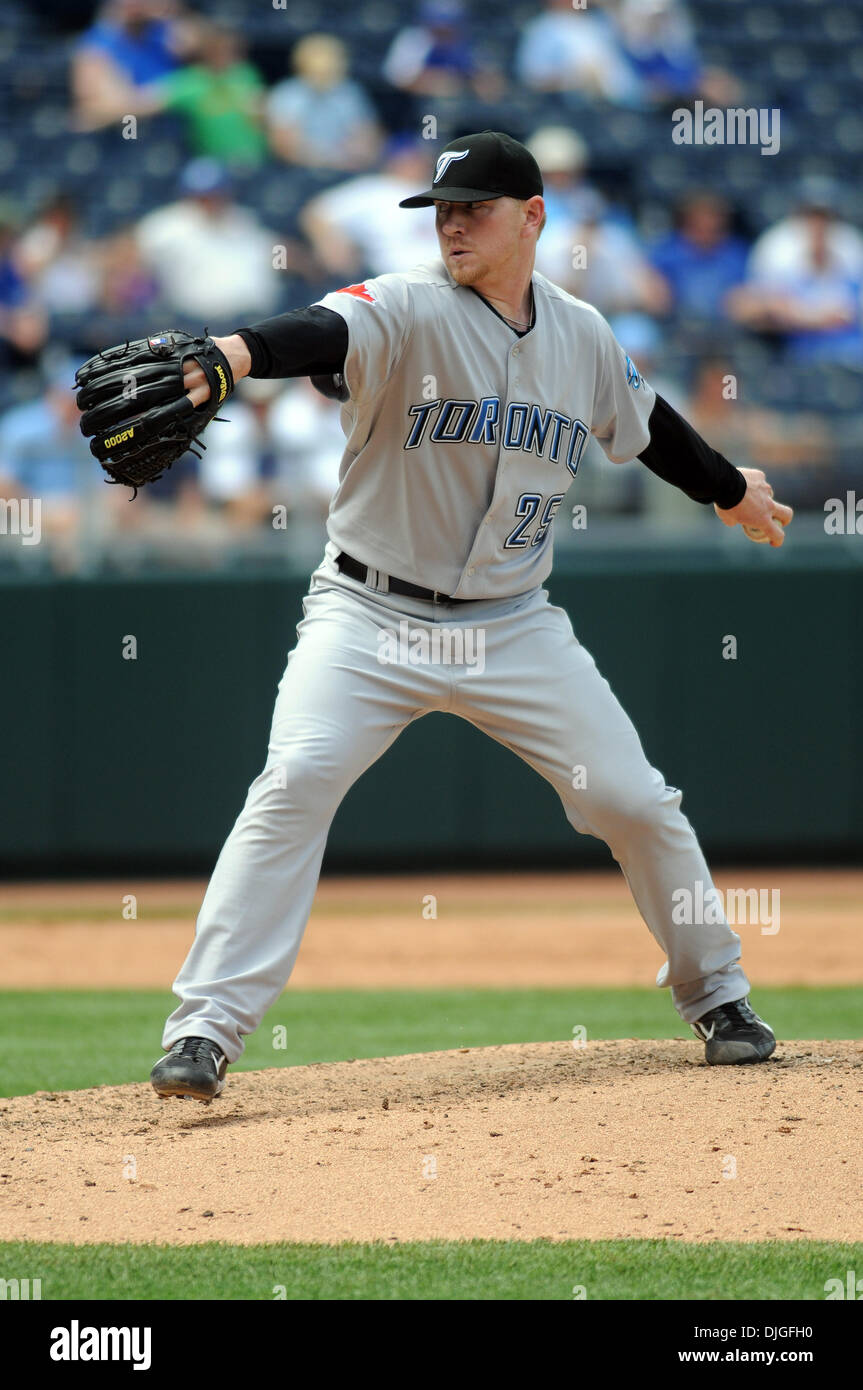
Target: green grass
535,1270
52,1040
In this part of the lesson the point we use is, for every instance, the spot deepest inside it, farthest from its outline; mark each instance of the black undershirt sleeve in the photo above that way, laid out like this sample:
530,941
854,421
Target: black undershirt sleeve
303,342
678,454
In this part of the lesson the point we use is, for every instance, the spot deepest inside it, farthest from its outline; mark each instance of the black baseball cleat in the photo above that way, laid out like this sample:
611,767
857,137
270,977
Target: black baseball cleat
193,1067
733,1033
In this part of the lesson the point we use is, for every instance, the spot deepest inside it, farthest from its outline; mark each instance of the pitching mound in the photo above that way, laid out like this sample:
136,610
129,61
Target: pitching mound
614,1139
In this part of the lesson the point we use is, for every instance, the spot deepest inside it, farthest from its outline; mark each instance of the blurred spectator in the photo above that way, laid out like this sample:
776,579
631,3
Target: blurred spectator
320,118
229,470
436,57
702,259
657,40
213,260
786,248
23,325
58,261
309,444
583,248
562,157
44,455
132,43
611,271
127,286
752,436
13,288
358,228
221,98
805,282
568,50
569,199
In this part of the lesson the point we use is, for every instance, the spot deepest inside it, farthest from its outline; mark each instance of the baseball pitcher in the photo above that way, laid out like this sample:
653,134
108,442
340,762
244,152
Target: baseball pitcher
470,387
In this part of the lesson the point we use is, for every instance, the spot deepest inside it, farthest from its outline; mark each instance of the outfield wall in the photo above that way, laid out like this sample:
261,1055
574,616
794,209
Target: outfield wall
113,765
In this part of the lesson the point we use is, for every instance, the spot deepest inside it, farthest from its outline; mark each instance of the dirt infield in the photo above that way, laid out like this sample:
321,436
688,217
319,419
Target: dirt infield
612,1140
561,930
615,1139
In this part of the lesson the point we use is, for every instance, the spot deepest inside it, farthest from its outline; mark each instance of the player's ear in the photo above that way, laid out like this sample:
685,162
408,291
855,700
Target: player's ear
534,214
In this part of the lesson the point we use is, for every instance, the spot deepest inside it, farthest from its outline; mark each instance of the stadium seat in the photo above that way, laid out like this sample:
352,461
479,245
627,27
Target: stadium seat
842,25
849,132
763,24
48,121
15,18
163,158
9,152
771,203
82,156
378,16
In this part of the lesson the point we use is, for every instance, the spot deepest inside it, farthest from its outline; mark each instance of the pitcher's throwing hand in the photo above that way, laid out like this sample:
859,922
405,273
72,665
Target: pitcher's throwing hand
761,517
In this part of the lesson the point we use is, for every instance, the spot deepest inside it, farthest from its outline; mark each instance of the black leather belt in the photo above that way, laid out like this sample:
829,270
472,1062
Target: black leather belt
354,570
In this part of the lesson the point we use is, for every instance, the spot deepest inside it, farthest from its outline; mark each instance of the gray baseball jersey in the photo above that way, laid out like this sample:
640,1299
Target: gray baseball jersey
462,439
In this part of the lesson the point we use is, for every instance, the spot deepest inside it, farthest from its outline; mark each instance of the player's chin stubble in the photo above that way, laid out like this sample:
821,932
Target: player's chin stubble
466,274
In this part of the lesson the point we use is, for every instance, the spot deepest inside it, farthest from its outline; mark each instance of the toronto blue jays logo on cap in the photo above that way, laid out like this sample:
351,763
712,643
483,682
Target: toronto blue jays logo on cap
499,167
445,160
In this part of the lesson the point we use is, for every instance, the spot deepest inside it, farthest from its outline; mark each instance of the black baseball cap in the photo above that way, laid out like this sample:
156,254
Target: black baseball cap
474,168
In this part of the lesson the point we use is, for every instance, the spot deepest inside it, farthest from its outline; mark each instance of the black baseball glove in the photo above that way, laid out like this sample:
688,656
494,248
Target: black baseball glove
135,407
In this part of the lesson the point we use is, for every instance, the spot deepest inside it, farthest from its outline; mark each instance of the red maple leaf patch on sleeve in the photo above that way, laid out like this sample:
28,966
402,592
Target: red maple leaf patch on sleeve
359,291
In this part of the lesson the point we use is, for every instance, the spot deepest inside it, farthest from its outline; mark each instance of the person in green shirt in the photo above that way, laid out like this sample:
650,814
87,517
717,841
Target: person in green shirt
221,96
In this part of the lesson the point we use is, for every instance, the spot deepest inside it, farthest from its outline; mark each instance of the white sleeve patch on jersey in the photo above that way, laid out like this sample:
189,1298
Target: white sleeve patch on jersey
623,401
379,316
